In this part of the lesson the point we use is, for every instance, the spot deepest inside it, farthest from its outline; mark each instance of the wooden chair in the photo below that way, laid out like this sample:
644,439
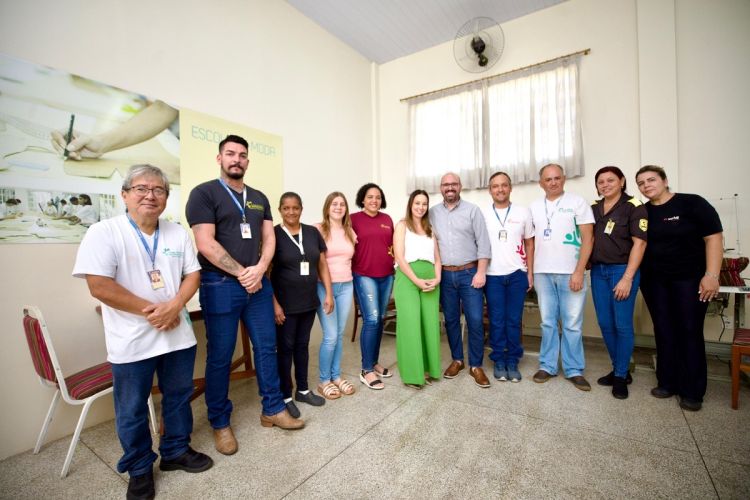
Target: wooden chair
82,388
740,347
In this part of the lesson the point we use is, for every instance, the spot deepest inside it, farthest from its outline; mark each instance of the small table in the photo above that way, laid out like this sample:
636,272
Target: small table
739,303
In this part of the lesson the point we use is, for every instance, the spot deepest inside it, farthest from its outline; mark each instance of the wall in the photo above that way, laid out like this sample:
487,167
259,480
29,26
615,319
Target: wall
258,62
662,85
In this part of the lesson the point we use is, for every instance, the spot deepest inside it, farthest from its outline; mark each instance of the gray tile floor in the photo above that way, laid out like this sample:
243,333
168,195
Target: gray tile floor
452,439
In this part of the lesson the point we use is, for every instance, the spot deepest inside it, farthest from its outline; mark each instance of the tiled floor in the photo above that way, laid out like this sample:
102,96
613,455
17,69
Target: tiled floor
452,439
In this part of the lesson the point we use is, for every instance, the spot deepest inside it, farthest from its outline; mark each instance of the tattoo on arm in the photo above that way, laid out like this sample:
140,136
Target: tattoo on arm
228,263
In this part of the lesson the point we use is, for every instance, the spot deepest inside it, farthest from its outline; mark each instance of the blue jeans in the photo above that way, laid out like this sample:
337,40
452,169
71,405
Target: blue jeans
373,295
224,303
505,298
132,387
333,329
456,293
615,317
558,303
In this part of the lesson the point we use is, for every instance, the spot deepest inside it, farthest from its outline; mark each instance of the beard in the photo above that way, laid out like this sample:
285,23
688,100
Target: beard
234,174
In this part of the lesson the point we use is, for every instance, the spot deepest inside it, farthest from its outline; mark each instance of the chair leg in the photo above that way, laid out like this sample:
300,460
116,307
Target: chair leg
735,377
47,420
76,437
152,415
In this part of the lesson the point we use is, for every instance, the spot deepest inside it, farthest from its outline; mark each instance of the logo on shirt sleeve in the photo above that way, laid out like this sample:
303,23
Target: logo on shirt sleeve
643,225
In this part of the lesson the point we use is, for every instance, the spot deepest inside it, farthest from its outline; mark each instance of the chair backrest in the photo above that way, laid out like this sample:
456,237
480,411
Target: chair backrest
40,346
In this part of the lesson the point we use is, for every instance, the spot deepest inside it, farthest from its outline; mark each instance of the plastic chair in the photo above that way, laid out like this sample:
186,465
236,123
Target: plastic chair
82,388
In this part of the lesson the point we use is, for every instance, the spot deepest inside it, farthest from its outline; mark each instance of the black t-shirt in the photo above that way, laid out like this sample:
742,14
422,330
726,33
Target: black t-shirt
628,219
210,203
294,292
675,236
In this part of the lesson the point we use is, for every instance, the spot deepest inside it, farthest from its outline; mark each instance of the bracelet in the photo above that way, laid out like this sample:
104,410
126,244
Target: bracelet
714,276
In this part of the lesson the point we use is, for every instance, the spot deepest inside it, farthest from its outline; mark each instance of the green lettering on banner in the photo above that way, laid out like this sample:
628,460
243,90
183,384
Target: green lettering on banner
208,135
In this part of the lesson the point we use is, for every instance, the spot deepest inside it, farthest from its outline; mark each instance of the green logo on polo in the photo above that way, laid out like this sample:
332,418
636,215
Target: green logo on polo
574,239
254,206
172,253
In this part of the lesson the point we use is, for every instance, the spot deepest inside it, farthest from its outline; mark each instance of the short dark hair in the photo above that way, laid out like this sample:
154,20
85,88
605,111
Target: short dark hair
652,168
290,194
500,173
614,170
84,199
360,201
233,138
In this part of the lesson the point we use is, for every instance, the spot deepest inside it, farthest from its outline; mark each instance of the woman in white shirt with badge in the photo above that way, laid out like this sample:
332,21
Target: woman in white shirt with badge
417,294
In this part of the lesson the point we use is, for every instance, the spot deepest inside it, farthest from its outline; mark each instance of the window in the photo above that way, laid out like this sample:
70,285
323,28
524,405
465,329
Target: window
515,122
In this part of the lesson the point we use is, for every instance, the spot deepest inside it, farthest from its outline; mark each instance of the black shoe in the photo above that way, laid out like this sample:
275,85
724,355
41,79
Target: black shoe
310,398
607,379
619,388
141,487
690,404
661,393
292,409
190,461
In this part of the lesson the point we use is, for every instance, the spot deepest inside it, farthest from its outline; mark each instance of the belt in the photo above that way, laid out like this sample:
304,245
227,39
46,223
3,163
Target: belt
460,268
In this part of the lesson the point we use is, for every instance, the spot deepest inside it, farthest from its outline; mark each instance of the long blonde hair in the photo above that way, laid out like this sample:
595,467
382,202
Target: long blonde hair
325,226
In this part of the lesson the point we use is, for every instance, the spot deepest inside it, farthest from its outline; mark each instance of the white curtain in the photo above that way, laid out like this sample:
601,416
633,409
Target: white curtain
516,123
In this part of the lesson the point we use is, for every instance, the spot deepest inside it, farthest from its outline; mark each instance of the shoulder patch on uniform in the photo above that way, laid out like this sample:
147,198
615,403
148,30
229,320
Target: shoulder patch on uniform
643,225
635,202
595,202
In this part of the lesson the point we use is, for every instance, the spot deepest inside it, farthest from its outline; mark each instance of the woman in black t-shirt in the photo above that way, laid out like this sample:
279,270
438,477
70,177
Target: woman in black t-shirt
679,276
297,263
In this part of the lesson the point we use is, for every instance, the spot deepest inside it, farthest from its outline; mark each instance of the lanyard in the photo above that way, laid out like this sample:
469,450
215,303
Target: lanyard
298,245
502,224
554,210
241,208
151,252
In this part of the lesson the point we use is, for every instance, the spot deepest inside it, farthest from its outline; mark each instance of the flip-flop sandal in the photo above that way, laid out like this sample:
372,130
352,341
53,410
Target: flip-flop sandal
376,384
346,387
386,373
414,386
329,391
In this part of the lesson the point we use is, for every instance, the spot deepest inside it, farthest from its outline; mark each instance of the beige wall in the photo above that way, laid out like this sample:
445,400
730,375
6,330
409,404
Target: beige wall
259,63
665,83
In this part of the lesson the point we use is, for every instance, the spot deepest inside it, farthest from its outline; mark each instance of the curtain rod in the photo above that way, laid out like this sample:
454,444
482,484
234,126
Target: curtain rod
584,52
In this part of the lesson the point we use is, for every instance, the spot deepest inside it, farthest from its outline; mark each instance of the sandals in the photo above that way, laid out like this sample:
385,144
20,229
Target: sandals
414,386
376,384
385,374
345,387
329,391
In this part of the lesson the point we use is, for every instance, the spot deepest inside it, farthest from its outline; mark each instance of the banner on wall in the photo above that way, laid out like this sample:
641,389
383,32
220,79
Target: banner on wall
49,197
200,135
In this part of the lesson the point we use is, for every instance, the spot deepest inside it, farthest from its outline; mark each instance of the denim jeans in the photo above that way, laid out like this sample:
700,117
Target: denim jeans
224,303
457,294
558,303
373,295
615,317
505,298
333,329
132,387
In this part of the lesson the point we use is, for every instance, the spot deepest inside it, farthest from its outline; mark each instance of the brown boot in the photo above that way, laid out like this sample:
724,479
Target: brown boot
225,441
282,419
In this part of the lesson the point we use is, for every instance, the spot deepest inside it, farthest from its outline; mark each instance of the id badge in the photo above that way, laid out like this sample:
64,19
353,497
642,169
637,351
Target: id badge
547,234
503,235
245,231
609,227
304,268
156,279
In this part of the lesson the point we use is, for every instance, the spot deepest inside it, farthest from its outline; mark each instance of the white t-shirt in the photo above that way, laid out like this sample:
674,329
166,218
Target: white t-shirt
113,249
558,241
87,214
418,247
509,254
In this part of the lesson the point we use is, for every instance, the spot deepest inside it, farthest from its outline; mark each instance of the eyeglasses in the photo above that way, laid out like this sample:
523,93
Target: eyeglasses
449,184
141,190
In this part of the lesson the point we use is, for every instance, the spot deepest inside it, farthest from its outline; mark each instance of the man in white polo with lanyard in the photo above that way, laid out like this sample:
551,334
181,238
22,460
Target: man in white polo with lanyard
233,230
144,270
564,238
509,275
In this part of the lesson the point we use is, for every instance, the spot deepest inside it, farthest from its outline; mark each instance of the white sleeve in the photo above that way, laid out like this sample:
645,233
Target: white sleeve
190,258
528,230
584,214
96,255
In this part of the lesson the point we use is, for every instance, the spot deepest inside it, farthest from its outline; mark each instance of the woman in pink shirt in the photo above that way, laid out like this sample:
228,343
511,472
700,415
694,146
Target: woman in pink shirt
372,268
336,229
